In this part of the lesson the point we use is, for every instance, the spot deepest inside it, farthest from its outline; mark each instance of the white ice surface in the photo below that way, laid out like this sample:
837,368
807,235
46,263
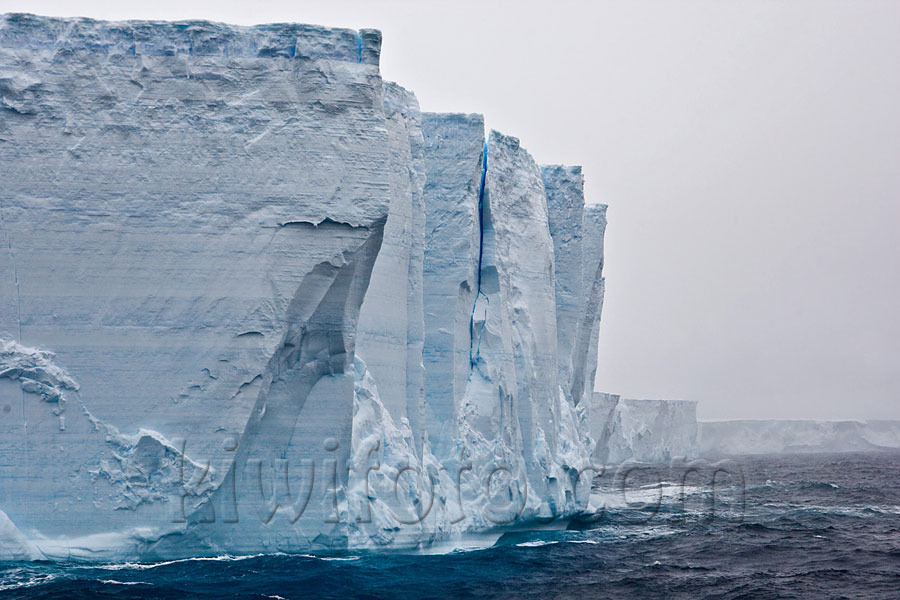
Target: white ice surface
786,436
251,300
643,430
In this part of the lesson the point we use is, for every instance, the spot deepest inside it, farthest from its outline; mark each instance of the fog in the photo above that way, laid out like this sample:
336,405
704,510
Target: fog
749,153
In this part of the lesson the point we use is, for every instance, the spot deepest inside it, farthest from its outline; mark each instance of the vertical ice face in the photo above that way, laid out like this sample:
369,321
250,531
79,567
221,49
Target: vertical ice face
594,286
565,207
389,387
415,328
602,415
391,324
454,145
514,324
14,546
646,430
189,218
578,250
492,395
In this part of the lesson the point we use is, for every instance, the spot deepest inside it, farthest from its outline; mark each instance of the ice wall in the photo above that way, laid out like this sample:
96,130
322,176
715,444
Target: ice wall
514,385
565,207
720,438
253,300
391,322
643,430
578,231
594,288
603,424
190,226
454,156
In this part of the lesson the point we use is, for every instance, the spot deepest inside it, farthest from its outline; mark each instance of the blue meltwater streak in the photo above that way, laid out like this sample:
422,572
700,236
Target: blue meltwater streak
484,162
473,353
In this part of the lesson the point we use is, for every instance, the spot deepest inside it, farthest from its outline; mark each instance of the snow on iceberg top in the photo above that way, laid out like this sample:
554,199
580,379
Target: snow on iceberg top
195,38
659,401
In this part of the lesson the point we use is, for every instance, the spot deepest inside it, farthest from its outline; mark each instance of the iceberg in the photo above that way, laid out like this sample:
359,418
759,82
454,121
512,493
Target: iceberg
650,431
741,437
252,299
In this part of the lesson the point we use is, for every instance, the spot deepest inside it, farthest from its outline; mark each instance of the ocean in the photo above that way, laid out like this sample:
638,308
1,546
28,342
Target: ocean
800,526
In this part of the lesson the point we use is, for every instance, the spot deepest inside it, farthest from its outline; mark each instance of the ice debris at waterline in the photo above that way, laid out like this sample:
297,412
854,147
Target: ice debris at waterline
254,301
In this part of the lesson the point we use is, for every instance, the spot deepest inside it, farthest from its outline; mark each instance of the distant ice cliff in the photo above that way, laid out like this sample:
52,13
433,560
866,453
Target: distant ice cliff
719,438
643,430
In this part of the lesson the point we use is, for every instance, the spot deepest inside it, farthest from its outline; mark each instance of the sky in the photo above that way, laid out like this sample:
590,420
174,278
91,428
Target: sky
749,152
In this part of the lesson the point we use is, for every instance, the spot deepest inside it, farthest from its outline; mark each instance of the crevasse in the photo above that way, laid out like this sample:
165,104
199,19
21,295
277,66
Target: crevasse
481,217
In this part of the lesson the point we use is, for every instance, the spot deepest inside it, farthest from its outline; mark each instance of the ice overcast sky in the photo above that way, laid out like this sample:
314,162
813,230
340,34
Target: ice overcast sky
749,153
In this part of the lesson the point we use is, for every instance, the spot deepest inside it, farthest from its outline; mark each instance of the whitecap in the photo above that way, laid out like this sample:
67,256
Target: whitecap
537,543
32,581
153,565
117,582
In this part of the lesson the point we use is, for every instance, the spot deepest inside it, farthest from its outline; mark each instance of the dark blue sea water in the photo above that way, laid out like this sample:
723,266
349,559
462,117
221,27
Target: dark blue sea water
815,526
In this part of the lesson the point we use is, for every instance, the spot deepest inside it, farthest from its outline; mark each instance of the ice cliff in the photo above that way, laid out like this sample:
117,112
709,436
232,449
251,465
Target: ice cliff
721,438
642,430
253,300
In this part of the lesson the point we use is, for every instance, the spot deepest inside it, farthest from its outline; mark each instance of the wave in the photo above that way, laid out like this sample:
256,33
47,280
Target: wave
155,565
536,543
858,512
819,485
26,579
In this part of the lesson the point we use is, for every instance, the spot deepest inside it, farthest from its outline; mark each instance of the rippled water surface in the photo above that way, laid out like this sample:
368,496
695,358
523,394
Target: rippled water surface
817,526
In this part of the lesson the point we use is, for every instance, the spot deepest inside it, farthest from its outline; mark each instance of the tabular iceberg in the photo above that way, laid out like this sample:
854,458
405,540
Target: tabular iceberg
720,438
252,299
